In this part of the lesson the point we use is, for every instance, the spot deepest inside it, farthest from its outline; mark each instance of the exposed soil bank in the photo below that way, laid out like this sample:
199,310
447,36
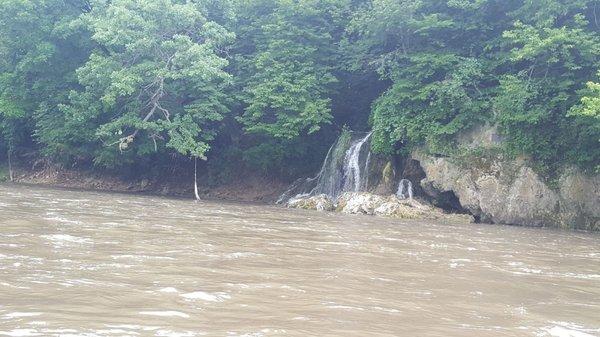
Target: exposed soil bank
247,188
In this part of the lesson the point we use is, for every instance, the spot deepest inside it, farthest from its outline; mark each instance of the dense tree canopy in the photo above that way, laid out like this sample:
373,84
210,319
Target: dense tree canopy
267,83
156,75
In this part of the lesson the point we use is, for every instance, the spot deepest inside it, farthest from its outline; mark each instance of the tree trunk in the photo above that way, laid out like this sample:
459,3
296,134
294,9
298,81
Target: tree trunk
196,178
10,170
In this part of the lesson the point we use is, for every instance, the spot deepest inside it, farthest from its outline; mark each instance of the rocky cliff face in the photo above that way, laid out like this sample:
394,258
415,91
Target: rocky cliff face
510,192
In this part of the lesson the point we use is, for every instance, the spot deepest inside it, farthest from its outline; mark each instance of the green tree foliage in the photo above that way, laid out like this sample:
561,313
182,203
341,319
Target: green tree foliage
553,53
39,52
438,86
452,64
587,117
285,64
156,78
268,84
590,103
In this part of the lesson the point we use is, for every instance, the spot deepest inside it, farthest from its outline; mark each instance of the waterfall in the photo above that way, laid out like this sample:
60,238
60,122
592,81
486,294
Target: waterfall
352,167
345,169
367,165
405,189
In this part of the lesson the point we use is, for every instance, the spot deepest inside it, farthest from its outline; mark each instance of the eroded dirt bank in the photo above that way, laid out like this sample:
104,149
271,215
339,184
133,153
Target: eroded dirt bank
251,188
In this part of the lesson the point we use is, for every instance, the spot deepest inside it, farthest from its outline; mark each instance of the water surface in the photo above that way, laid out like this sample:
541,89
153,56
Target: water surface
78,263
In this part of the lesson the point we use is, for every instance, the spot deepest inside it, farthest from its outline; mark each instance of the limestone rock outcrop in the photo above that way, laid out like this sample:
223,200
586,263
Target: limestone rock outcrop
510,192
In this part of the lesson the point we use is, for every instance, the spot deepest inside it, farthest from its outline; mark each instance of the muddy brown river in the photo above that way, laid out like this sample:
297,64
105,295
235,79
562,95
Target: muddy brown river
76,263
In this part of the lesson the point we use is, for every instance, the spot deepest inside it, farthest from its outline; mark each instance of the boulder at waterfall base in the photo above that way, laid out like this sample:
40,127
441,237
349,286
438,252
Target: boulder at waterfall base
372,204
319,202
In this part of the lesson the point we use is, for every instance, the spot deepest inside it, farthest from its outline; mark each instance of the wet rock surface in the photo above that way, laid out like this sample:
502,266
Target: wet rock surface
372,204
319,202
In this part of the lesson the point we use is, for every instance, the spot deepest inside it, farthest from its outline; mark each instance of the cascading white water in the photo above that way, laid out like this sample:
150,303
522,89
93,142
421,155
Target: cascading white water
405,189
345,169
352,167
367,165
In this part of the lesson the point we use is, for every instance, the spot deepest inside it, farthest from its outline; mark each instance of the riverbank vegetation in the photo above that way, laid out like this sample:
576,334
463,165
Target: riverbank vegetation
267,85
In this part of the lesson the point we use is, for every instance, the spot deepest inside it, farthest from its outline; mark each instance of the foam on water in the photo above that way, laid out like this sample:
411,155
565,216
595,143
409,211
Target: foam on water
171,333
21,333
169,290
560,331
167,313
17,314
62,239
133,327
209,297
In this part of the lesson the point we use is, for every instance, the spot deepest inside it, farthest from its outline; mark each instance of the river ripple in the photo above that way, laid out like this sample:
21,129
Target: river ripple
78,263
